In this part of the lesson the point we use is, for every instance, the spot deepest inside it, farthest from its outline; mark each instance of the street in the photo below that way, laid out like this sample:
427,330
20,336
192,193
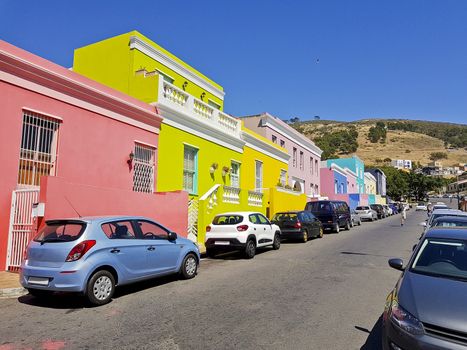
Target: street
325,294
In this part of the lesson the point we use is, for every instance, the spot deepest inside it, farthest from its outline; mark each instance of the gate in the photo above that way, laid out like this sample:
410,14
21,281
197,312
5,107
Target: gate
21,225
192,229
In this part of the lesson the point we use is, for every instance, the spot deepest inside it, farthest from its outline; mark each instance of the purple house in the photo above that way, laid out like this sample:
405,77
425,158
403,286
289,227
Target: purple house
305,156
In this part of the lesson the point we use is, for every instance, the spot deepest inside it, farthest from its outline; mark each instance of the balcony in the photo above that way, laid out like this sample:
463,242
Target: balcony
175,99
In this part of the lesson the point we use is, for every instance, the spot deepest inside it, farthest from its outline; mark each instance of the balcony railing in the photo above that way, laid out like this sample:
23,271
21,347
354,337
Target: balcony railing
231,195
255,198
178,99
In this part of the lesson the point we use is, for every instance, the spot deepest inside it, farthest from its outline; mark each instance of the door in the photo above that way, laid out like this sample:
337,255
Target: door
127,250
162,255
256,227
266,235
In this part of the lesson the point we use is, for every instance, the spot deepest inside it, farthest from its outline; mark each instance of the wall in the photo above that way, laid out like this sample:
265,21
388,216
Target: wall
167,208
111,62
352,184
283,200
327,182
341,182
353,163
170,160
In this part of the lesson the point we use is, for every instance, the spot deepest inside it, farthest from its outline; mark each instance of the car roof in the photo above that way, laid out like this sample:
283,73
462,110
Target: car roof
239,213
446,211
97,219
291,212
441,232
452,218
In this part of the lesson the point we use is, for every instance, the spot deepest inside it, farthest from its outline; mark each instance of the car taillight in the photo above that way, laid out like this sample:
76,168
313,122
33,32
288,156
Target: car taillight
298,225
79,250
242,228
208,228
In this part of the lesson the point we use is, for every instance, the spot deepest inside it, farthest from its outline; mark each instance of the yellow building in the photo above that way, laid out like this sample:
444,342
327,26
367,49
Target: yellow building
202,150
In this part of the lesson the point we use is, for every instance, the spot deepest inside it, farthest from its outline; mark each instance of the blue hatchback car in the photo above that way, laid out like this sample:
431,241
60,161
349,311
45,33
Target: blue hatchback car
92,255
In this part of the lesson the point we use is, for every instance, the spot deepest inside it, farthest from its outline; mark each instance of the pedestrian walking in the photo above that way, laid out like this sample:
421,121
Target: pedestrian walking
403,214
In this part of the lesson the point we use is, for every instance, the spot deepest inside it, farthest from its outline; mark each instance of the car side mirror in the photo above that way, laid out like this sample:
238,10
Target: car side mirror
172,236
396,263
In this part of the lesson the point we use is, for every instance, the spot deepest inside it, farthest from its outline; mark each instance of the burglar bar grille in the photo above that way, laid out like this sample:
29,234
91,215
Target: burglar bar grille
144,164
38,152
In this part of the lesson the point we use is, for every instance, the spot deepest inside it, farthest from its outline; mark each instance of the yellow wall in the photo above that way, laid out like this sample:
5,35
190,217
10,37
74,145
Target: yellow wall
170,160
112,63
284,200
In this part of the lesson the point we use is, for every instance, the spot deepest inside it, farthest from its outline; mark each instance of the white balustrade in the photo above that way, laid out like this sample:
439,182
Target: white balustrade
231,195
195,108
255,199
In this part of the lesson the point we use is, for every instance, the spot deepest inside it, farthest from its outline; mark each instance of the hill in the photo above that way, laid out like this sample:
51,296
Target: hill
399,139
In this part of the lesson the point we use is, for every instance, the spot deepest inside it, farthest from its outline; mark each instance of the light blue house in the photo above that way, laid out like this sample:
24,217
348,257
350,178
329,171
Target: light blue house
356,165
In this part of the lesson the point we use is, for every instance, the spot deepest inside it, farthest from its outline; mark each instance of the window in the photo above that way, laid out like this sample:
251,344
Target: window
60,231
335,187
253,219
190,170
312,189
283,143
294,157
214,104
119,230
274,139
227,220
143,168
302,161
317,190
166,77
316,167
150,230
258,175
38,152
283,178
262,220
235,174
311,165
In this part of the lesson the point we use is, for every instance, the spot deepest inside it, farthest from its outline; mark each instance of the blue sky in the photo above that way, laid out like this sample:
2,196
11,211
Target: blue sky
377,58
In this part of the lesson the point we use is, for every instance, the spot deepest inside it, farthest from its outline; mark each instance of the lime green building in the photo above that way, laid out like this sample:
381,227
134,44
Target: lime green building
202,150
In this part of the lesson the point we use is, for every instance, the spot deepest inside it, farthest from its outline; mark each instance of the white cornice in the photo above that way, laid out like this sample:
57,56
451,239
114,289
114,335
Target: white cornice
156,54
195,126
348,171
265,148
268,120
337,168
369,176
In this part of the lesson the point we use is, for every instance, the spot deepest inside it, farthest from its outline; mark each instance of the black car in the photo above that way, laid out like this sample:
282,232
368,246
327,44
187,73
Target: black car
298,225
378,208
332,214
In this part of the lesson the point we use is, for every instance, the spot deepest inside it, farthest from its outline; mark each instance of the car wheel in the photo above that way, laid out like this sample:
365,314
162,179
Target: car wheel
347,225
352,223
305,237
210,253
321,233
101,287
277,242
359,222
337,229
39,293
250,249
189,266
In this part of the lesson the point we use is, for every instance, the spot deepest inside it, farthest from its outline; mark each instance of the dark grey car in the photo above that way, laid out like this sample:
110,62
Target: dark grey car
428,307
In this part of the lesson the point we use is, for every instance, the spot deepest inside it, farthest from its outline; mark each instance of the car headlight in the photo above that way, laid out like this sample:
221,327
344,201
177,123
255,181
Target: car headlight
404,320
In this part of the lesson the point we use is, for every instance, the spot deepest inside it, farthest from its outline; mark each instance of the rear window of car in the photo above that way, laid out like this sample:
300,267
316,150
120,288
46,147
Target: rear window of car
60,231
319,207
285,217
227,220
362,208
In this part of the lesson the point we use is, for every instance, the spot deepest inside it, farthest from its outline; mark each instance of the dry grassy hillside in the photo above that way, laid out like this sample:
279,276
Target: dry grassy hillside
399,144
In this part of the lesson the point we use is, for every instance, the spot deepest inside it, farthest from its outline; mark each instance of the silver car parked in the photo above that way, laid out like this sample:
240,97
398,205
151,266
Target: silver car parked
366,213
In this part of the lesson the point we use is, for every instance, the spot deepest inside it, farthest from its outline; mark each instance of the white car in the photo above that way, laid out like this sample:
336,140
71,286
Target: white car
421,206
244,231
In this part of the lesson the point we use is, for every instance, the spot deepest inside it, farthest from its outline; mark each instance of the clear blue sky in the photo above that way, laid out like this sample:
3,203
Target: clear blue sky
377,58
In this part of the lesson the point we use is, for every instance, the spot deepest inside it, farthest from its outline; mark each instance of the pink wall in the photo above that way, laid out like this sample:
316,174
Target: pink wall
170,209
310,175
327,182
352,184
363,199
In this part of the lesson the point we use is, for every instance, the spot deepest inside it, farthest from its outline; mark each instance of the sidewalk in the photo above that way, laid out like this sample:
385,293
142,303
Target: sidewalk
10,286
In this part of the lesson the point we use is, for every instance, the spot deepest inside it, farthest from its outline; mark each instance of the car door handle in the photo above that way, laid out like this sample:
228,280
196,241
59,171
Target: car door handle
151,248
115,250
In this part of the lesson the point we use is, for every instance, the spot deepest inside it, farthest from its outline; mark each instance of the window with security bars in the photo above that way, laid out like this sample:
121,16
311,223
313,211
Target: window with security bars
190,166
143,168
258,176
235,174
38,150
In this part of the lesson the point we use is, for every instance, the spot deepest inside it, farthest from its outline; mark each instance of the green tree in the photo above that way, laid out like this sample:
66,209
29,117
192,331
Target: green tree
438,155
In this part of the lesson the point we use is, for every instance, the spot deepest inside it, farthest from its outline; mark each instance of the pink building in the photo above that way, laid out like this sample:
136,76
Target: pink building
305,156
351,181
70,145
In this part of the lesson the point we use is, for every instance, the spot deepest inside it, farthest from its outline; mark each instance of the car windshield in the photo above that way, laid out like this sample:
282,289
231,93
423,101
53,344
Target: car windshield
445,258
450,223
433,217
285,217
60,231
362,208
227,220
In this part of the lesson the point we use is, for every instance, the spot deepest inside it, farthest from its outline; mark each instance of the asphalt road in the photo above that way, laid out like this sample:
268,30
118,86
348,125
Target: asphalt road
325,294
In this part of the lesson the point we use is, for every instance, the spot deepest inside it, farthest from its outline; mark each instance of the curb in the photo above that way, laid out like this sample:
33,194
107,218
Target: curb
12,292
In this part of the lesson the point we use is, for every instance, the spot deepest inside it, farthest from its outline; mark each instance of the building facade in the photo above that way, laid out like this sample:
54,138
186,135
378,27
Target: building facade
380,177
305,156
402,164
356,165
73,147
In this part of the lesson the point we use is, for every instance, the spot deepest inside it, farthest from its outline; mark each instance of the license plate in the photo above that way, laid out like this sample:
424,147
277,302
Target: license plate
222,242
41,281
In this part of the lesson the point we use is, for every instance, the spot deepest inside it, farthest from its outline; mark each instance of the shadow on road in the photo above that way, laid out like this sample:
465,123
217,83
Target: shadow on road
365,254
373,342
